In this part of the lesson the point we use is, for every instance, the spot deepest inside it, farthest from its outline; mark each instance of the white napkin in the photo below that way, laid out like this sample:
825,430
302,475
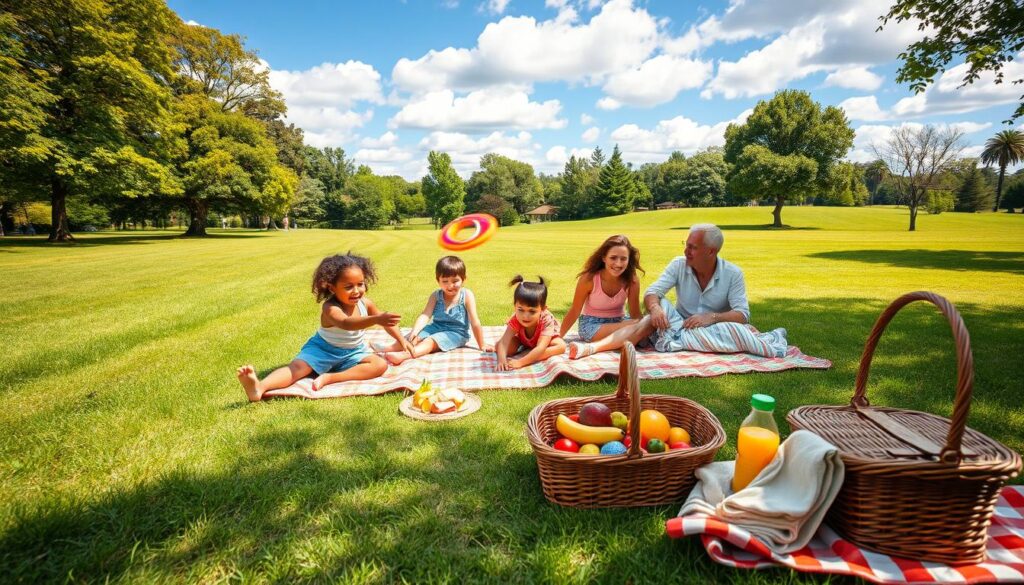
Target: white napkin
784,505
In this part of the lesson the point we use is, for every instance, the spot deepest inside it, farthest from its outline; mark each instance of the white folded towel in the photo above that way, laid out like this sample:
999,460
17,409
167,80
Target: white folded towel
784,505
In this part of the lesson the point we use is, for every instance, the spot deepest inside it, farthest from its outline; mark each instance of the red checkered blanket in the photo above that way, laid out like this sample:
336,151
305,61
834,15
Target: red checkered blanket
470,369
828,553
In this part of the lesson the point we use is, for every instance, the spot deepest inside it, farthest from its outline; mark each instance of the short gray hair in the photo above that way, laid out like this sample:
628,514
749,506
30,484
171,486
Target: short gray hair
713,236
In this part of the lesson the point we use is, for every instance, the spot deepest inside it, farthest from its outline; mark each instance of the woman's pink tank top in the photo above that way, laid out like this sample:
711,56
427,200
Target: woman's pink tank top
599,304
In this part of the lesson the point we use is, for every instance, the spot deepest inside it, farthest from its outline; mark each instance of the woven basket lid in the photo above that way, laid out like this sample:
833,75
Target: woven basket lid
885,438
891,435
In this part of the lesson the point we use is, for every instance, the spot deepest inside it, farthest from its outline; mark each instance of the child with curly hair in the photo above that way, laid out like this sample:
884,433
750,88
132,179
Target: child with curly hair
532,326
337,352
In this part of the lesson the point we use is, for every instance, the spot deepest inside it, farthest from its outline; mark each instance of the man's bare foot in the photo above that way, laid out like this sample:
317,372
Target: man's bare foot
396,357
251,384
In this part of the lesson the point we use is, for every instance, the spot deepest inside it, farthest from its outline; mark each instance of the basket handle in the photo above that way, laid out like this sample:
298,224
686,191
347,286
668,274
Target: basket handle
629,384
952,452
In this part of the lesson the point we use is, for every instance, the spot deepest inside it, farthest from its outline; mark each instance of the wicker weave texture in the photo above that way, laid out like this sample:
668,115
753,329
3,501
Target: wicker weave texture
634,478
917,485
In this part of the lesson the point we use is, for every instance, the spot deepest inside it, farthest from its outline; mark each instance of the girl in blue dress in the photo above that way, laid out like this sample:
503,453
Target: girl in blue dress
446,321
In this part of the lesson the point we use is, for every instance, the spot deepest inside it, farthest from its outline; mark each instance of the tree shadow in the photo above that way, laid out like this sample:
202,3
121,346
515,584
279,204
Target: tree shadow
756,227
962,260
323,491
12,243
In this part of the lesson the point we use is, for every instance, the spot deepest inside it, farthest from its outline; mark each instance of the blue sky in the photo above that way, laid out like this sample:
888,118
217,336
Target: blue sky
540,80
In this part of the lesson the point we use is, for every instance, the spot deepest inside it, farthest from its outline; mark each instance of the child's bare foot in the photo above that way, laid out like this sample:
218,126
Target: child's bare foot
251,384
320,381
396,357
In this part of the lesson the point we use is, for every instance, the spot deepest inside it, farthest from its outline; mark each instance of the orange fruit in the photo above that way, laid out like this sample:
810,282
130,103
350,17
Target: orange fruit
678,434
654,425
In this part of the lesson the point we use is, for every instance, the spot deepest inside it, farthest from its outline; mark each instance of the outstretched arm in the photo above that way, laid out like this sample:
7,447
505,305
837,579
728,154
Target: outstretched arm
502,348
535,355
389,321
474,322
584,286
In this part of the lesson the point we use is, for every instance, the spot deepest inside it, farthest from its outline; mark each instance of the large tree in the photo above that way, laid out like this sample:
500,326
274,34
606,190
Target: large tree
1004,149
443,189
875,172
986,34
973,193
512,180
915,158
616,188
794,135
702,182
98,73
577,182
230,165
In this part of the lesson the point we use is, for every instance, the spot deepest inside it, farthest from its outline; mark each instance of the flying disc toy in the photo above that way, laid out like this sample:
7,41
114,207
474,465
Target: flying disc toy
482,225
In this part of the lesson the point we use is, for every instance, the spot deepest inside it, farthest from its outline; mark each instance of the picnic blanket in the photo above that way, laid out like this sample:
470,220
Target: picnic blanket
828,553
469,369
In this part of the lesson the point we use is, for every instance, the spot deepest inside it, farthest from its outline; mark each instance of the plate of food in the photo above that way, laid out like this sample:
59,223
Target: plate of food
432,403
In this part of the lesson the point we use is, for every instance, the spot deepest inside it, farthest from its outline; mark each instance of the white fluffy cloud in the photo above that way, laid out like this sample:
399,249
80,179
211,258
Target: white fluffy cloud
876,134
321,100
486,109
863,108
466,150
657,80
679,133
946,97
384,141
608,104
854,78
497,6
523,50
586,119
591,134
836,36
329,85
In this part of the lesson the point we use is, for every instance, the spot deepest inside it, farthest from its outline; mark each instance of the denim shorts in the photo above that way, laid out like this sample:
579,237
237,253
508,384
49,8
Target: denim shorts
588,326
324,357
445,339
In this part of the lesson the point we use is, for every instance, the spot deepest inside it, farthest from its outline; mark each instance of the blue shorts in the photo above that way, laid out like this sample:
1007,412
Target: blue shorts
446,339
588,326
324,357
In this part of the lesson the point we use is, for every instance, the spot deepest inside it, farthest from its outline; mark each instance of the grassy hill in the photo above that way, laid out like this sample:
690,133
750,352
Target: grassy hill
129,452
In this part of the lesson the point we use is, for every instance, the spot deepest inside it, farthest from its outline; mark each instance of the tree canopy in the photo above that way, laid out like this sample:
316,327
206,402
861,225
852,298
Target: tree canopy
794,145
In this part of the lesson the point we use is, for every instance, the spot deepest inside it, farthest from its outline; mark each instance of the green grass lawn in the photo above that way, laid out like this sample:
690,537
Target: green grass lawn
129,453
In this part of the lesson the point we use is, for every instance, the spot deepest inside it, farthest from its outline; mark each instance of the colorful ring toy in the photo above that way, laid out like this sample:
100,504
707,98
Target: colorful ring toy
482,224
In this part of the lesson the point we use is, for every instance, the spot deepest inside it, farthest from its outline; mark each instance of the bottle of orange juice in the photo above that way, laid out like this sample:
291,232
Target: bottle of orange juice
758,441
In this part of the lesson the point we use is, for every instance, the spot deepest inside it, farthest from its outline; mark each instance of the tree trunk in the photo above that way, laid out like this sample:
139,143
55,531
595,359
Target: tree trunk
198,211
777,213
999,186
59,231
913,217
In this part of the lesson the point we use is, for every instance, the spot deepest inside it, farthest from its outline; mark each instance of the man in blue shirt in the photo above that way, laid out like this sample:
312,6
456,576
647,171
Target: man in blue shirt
709,290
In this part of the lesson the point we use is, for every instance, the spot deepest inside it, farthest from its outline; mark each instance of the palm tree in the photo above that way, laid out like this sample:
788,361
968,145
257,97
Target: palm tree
1004,149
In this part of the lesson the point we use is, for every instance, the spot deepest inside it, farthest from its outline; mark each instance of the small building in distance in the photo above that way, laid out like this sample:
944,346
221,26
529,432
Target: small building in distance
543,213
668,205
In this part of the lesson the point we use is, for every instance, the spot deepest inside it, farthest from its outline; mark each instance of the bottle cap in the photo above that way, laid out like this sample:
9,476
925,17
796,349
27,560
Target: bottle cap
762,402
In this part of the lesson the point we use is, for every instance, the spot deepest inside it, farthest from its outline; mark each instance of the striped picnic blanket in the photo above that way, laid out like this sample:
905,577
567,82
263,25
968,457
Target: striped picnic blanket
470,369
828,553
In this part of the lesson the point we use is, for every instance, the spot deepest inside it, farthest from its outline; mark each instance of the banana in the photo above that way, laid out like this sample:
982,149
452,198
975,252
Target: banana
583,434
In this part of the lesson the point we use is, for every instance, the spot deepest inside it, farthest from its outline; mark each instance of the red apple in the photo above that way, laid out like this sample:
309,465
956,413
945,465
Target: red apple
595,414
575,417
679,445
567,445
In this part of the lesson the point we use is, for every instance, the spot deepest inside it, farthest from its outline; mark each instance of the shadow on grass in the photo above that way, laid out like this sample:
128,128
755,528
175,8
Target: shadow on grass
323,497
757,228
9,244
1011,262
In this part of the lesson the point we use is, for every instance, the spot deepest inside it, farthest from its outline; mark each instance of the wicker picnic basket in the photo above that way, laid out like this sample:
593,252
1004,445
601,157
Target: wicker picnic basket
905,494
633,478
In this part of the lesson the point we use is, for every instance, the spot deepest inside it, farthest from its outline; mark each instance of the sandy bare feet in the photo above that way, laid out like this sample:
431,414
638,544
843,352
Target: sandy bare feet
250,383
396,357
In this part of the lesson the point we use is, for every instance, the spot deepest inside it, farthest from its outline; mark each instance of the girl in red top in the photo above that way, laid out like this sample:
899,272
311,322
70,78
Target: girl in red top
532,326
